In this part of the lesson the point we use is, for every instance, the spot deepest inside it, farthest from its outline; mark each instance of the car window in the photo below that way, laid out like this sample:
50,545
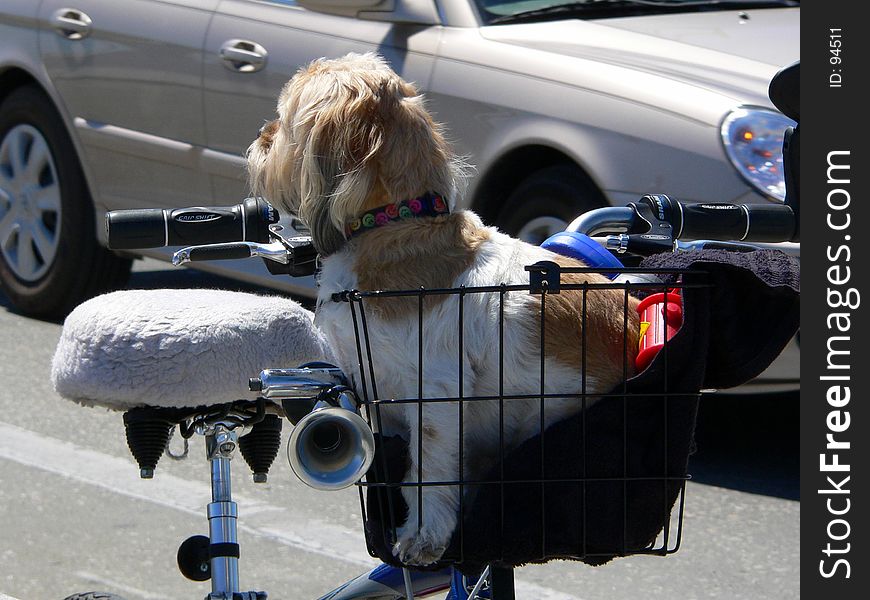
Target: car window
512,11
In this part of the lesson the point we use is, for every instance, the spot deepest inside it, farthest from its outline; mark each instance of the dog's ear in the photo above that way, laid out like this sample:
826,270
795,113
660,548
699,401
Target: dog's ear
362,137
415,157
339,164
374,136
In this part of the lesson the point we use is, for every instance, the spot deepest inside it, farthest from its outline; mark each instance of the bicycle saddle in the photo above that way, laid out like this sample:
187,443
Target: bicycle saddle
179,348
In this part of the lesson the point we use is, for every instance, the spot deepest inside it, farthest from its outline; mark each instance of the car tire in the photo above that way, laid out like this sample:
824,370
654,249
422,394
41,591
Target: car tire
50,259
546,201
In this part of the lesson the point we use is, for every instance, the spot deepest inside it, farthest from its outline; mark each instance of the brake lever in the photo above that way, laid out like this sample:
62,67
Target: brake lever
275,251
294,256
302,256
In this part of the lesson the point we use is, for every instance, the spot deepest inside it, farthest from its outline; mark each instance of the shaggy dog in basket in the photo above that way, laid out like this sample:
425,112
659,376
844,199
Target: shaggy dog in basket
355,154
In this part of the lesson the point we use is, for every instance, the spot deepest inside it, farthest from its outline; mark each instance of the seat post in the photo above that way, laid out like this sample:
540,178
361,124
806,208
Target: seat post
221,442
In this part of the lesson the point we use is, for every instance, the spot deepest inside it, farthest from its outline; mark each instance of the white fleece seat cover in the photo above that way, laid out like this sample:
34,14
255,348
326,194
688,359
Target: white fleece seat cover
179,348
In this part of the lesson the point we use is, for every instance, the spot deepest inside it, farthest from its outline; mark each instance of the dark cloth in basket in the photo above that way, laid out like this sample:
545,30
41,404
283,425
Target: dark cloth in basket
754,305
731,332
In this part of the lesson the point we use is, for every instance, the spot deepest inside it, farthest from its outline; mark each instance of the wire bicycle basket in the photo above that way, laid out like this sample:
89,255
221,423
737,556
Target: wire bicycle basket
608,480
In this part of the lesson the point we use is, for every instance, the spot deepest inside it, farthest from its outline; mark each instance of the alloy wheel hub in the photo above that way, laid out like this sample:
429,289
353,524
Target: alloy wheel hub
30,203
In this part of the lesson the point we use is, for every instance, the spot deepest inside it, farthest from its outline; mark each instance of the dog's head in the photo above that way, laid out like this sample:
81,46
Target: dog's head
350,135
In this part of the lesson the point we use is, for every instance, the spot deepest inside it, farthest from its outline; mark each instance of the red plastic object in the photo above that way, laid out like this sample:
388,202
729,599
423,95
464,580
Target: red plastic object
660,320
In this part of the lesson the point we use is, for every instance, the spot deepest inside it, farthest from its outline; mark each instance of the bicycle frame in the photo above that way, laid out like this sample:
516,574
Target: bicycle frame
387,582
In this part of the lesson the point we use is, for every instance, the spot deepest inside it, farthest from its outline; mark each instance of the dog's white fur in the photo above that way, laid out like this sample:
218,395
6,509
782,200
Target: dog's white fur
352,135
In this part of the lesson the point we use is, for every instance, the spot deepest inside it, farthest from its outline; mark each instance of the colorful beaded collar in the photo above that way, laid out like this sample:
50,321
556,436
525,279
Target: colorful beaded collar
427,205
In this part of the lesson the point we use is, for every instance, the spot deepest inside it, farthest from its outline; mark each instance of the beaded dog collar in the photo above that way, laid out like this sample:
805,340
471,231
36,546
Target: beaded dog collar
427,205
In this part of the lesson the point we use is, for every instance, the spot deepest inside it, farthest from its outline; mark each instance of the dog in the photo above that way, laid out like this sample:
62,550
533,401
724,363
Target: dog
355,154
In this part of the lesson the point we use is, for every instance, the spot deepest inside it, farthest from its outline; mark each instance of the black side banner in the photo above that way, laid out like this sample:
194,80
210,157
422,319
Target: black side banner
835,422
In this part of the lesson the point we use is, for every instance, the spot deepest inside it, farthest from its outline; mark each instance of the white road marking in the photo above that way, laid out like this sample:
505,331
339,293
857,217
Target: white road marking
278,523
120,476
527,589
111,583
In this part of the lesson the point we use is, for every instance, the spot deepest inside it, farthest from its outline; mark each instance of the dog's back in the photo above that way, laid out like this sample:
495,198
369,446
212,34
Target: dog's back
497,359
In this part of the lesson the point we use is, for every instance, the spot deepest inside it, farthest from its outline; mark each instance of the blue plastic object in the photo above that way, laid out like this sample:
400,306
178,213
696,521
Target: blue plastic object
583,248
460,586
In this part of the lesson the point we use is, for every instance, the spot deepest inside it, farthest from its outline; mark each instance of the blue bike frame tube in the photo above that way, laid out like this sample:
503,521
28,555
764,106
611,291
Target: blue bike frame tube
461,585
384,580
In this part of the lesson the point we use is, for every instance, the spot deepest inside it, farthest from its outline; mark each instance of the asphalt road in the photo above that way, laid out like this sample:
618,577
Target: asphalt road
74,516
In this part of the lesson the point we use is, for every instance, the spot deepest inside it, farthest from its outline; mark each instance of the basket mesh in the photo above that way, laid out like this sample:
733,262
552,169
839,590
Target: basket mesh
602,476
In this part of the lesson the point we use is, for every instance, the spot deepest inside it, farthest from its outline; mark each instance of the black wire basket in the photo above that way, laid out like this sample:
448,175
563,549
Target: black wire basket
607,480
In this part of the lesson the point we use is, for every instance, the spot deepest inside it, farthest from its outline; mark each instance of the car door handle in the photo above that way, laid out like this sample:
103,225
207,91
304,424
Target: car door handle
243,56
71,23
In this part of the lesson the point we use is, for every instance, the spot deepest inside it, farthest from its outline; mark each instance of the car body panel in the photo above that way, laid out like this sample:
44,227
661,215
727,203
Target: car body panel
237,104
584,99
758,36
489,113
659,46
19,27
133,89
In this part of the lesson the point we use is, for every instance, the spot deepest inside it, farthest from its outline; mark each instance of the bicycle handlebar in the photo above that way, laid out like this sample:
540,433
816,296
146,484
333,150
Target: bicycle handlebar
154,227
244,230
743,222
656,221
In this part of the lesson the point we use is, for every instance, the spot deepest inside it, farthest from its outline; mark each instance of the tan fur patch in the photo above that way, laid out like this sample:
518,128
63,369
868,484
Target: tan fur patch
407,255
267,134
377,197
611,321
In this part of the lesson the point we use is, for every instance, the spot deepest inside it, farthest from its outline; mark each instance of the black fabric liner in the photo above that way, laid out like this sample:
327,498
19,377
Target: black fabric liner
732,330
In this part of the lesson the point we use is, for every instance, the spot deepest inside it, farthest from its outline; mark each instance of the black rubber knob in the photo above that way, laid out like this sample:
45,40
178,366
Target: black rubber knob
260,446
194,559
148,433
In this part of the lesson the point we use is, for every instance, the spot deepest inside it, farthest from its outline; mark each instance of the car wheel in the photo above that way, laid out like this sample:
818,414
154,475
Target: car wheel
546,201
50,259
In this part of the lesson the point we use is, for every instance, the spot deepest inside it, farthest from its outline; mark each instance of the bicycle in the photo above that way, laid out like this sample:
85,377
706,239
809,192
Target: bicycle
333,444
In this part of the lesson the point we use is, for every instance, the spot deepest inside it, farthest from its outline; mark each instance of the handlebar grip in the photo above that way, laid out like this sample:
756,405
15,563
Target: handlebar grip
137,228
771,223
710,221
743,222
219,252
155,228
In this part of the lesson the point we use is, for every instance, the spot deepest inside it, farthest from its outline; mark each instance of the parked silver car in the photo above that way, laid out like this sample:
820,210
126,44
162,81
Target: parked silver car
562,106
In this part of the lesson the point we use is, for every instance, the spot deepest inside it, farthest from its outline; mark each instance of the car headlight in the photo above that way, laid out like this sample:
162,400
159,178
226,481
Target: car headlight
753,143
